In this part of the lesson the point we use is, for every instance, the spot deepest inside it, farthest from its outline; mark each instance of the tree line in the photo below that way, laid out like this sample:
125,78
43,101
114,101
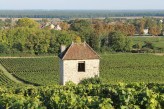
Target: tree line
27,36
67,14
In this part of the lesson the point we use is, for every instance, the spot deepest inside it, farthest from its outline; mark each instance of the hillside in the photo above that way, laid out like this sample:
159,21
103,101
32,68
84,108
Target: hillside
4,80
33,70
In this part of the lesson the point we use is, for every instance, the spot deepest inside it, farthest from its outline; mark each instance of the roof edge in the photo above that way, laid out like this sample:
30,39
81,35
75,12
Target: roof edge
93,50
67,51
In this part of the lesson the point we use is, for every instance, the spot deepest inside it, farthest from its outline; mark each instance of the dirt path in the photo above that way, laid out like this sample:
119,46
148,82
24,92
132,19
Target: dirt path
28,57
159,54
10,76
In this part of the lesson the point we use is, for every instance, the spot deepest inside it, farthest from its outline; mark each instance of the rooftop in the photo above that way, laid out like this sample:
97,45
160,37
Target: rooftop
79,51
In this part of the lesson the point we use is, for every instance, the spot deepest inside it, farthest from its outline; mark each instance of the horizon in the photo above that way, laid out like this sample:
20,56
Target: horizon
82,9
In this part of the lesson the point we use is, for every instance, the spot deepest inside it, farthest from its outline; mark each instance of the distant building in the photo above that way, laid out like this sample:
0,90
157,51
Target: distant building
77,62
57,27
161,21
52,26
146,31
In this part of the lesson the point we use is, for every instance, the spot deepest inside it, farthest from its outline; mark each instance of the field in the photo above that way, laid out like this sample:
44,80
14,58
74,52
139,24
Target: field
38,71
114,68
132,68
5,80
158,42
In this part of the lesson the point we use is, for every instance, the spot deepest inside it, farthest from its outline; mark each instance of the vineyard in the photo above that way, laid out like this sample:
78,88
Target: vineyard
132,68
115,91
4,80
39,71
86,96
114,68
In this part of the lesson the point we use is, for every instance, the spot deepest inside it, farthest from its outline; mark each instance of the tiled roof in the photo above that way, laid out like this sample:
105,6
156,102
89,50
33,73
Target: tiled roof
79,51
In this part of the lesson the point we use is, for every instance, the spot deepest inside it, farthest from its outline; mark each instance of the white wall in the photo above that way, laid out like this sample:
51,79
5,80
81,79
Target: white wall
69,70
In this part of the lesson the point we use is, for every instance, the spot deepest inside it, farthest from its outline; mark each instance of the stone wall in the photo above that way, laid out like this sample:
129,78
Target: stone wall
69,70
61,72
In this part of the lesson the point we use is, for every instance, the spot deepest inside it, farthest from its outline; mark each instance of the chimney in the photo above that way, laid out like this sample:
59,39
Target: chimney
62,48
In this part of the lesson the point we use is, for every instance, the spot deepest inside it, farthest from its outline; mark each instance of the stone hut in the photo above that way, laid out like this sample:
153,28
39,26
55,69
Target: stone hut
77,62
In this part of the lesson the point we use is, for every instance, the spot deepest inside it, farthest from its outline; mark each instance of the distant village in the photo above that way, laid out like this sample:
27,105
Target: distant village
57,24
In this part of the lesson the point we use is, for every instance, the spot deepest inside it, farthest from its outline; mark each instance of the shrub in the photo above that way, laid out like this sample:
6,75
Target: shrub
94,80
70,83
2,48
146,50
148,45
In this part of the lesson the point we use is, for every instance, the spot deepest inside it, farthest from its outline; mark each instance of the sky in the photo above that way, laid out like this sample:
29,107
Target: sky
81,4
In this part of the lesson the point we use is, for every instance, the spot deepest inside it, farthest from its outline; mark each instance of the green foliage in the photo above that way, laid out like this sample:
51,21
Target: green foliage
4,80
94,42
2,48
33,40
70,83
83,27
38,71
64,38
95,80
138,45
10,101
88,96
152,44
77,39
128,44
114,68
25,37
119,42
26,22
129,68
2,23
59,38
148,45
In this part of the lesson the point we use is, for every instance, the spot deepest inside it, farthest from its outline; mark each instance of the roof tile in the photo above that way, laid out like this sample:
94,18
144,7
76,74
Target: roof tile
79,51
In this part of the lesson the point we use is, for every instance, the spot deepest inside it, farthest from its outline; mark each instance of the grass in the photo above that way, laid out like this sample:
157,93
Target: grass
158,42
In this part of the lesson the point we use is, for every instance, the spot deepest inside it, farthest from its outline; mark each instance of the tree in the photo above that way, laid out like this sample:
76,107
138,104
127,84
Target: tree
128,44
38,41
150,22
77,39
94,41
26,22
59,38
83,27
155,30
8,22
119,42
131,30
2,48
2,23
64,25
140,25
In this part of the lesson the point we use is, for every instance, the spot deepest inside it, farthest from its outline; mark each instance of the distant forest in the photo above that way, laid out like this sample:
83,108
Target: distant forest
68,14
